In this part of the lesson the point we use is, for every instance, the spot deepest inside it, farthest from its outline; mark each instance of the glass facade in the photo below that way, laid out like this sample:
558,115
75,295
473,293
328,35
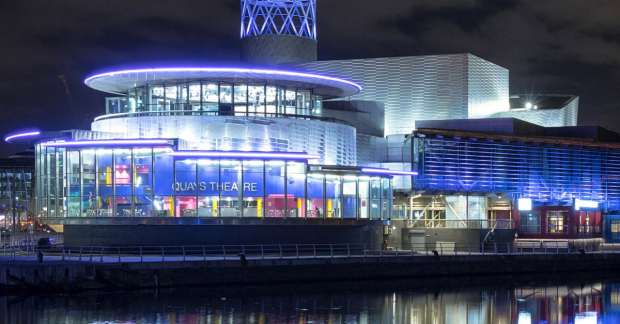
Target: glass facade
218,98
16,195
148,182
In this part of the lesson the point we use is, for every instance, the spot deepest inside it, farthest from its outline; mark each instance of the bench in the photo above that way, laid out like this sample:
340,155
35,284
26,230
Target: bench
615,247
558,246
540,246
527,245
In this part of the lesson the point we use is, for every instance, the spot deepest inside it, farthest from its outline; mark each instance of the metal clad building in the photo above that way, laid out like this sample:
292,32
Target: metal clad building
335,142
454,86
564,114
547,171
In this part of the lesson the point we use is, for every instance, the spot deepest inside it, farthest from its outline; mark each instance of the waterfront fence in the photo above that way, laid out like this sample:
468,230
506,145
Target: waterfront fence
296,251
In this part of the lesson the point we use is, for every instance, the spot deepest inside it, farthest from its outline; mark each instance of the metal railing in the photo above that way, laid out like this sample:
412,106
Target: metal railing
299,251
26,244
471,223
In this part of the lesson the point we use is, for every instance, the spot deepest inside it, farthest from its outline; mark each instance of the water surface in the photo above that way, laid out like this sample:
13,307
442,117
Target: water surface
356,302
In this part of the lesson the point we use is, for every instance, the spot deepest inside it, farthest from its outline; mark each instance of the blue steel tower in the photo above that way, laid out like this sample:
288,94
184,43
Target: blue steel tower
278,31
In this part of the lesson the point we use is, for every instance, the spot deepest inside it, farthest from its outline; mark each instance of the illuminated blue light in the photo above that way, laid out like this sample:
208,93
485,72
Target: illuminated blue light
107,142
278,17
232,70
392,172
246,155
544,174
8,138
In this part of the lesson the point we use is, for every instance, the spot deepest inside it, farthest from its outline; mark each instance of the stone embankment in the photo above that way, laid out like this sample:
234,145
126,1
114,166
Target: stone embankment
27,276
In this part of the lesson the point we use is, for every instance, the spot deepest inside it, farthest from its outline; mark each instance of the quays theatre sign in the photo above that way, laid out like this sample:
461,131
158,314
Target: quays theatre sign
214,186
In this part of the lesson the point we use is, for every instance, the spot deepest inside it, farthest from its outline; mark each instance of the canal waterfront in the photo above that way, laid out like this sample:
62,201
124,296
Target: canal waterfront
578,302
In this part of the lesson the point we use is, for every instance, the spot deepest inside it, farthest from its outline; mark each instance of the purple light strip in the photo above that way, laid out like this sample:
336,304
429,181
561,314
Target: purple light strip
233,70
384,171
106,142
8,138
241,155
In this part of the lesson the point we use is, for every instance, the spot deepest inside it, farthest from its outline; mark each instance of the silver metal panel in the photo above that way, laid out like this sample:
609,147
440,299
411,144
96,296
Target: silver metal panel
487,88
564,116
454,86
372,150
334,142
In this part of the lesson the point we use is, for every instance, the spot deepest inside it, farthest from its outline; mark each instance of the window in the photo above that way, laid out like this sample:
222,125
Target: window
123,182
615,229
73,183
530,222
363,203
275,199
170,94
256,100
586,223
289,102
194,97
272,100
164,184
230,174
104,183
557,222
349,195
186,188
386,198
375,193
333,196
295,189
89,194
252,188
208,187
241,99
157,99
112,105
303,103
318,106
316,203
210,92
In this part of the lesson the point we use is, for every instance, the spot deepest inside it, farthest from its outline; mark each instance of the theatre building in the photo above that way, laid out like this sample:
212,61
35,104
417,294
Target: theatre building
239,148
282,148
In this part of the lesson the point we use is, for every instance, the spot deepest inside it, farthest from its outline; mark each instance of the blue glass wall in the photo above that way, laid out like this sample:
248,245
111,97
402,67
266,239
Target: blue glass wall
148,182
543,173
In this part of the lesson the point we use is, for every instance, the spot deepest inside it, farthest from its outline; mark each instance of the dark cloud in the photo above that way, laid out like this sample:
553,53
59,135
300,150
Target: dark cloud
551,46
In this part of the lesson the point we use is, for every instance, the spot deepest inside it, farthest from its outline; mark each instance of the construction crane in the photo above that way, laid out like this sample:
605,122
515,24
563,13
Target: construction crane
63,78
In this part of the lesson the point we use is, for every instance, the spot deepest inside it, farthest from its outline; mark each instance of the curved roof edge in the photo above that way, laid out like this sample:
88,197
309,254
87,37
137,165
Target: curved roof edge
118,82
30,137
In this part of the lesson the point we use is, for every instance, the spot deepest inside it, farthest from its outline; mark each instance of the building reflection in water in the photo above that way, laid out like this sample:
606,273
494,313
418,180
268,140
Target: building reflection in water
559,304
585,304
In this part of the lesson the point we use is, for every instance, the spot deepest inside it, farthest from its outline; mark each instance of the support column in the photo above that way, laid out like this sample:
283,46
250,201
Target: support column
467,207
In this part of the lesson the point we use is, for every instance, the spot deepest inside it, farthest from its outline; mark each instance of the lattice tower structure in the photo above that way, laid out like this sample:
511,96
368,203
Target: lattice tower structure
278,31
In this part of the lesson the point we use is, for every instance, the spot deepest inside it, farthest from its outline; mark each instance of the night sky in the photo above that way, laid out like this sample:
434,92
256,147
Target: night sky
550,46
